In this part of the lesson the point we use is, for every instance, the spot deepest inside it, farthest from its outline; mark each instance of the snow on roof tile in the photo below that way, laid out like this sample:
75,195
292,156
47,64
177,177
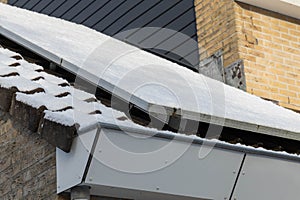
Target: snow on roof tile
77,110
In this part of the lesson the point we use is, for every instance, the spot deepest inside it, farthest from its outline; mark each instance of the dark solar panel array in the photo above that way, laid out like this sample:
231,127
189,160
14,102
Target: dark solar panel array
115,17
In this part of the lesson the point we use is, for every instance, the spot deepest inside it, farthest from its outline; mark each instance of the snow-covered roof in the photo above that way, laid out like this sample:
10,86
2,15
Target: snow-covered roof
144,78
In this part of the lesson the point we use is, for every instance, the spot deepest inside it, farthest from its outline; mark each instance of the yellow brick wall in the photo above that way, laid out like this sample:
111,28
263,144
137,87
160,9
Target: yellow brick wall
268,42
272,57
216,29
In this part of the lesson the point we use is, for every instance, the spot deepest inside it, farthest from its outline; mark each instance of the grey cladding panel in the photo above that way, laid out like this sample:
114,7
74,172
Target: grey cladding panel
12,2
30,4
52,7
161,20
103,12
136,17
150,13
65,7
20,3
113,17
117,14
76,9
171,14
41,5
89,11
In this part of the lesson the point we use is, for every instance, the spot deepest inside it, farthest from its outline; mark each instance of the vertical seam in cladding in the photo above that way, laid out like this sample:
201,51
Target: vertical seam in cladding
83,10
35,5
46,6
238,176
122,15
154,19
24,4
174,19
61,16
138,16
91,156
62,3
108,13
92,14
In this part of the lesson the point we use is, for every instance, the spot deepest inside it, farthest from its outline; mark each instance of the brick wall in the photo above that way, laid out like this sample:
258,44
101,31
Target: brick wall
272,57
216,29
268,42
27,164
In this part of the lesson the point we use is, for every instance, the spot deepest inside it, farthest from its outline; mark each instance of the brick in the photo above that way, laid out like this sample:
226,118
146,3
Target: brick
27,164
6,98
26,115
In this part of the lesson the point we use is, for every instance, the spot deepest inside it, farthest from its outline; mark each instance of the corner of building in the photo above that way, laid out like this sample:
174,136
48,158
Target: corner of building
267,42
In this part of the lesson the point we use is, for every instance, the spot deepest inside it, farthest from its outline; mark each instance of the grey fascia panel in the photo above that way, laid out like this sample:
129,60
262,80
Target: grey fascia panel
266,178
68,175
194,140
33,47
209,178
222,164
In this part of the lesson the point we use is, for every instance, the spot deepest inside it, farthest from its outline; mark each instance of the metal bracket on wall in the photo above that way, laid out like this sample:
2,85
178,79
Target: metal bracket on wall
235,75
213,67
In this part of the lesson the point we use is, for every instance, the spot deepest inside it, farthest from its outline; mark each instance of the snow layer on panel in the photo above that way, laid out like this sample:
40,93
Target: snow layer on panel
142,74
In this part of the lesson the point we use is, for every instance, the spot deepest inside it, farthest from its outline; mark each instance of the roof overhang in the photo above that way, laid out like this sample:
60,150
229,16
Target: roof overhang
285,7
190,98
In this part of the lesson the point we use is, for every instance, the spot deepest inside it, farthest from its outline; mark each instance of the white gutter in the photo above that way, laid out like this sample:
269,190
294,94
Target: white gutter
286,7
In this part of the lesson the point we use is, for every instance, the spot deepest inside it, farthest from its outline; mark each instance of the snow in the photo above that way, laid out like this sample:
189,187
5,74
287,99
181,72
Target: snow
81,112
21,83
149,77
66,110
